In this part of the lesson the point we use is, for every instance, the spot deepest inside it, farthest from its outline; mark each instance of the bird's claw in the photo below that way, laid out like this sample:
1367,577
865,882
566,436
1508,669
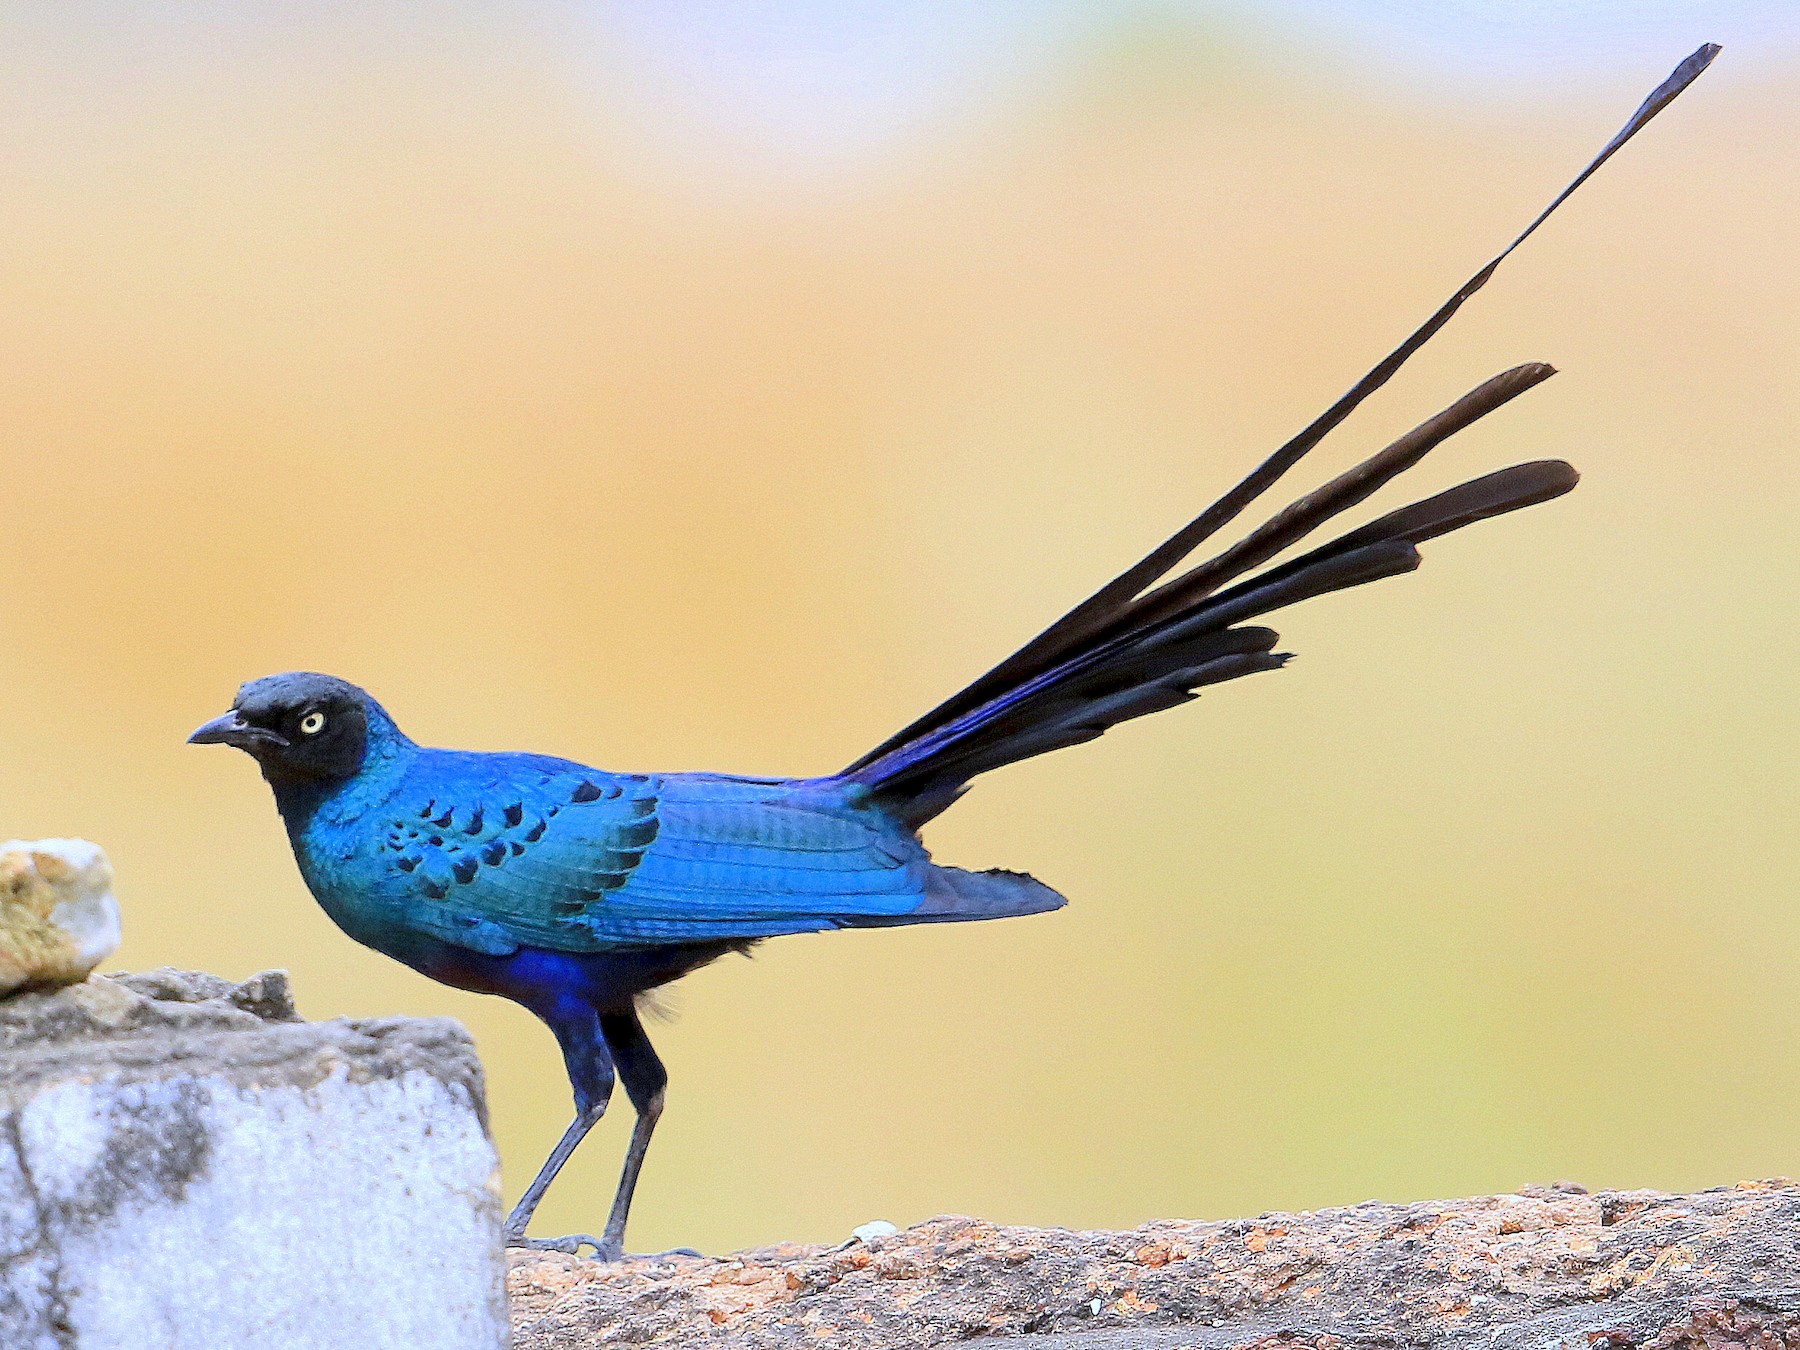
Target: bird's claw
604,1251
568,1246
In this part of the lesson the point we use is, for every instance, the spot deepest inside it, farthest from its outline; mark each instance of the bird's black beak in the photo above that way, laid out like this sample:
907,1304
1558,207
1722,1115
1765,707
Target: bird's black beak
232,729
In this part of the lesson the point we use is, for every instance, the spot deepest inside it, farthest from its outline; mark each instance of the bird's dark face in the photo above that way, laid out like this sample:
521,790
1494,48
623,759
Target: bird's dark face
299,727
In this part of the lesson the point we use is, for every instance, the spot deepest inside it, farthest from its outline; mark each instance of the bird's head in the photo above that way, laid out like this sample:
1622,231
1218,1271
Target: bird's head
301,727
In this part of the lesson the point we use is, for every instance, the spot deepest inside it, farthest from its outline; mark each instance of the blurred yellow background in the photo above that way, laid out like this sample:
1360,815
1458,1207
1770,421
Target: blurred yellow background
484,356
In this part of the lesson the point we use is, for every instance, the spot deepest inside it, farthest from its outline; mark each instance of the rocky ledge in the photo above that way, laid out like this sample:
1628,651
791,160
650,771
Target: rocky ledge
1548,1267
185,1163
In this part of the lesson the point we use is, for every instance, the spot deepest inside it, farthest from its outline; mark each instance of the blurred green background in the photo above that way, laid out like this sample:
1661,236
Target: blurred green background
719,386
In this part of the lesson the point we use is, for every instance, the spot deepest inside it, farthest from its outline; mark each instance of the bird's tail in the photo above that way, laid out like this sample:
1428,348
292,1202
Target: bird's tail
1136,647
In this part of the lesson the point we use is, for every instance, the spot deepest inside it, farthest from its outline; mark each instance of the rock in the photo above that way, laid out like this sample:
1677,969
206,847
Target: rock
184,1163
1548,1267
58,917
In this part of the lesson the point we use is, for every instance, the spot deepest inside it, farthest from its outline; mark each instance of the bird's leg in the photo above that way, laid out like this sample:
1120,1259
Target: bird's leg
577,1029
647,1116
645,1080
520,1218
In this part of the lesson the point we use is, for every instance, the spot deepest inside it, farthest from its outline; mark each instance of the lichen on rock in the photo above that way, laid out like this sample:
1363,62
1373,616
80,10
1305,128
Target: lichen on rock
58,916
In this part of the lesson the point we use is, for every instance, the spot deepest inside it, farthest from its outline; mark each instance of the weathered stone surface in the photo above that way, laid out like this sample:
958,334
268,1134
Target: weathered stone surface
1548,1267
185,1163
58,917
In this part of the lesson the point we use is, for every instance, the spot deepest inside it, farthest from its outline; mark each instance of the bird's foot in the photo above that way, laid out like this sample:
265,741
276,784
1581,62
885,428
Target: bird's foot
606,1250
568,1246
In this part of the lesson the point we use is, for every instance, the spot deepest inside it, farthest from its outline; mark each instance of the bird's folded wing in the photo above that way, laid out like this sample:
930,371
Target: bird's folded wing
575,860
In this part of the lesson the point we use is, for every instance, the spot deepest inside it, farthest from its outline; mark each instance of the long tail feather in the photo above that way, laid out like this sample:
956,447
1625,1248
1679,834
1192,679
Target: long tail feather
1160,664
1295,522
1126,605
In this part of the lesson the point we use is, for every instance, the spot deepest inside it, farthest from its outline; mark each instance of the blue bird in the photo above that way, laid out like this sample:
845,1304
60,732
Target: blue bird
574,891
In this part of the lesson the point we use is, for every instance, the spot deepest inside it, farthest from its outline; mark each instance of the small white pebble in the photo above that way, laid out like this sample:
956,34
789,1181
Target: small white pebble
875,1228
1095,1306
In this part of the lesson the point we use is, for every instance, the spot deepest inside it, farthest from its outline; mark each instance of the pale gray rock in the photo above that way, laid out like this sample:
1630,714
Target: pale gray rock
184,1163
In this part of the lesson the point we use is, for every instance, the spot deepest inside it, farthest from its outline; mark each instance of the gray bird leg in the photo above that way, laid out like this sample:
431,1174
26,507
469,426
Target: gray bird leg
520,1218
645,1080
647,1116
578,1032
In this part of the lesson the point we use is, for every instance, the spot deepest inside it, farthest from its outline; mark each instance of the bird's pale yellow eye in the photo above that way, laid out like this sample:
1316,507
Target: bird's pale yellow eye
312,724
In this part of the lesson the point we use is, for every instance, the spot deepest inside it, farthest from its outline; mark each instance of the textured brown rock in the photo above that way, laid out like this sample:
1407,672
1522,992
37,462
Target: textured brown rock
1619,1270
58,918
